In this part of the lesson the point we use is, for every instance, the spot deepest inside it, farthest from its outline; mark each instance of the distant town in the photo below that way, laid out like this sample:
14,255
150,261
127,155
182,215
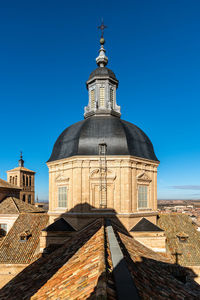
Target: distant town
188,207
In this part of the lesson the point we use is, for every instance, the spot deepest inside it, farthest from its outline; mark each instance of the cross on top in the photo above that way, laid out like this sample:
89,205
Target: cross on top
102,27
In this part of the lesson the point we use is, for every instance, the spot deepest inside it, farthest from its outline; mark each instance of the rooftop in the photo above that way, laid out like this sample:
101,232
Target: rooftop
14,250
60,225
188,252
83,269
5,184
145,225
21,169
12,205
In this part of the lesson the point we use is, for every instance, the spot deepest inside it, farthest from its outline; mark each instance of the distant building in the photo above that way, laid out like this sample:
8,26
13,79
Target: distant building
25,179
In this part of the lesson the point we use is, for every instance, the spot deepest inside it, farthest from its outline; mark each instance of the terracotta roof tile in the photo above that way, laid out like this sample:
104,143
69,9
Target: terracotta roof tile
189,251
81,258
16,251
5,184
21,169
154,275
82,269
12,205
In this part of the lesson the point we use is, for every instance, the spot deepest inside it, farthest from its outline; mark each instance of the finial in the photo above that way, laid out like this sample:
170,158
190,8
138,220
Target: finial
102,60
21,161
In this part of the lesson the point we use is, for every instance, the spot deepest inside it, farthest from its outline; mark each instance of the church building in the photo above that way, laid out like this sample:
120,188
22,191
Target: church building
103,165
102,237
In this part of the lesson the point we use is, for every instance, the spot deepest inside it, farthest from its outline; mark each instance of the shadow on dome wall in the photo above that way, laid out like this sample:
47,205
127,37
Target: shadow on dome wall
145,271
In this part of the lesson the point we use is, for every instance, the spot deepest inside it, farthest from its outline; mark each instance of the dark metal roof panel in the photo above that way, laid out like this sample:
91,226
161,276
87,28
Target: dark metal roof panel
121,137
99,130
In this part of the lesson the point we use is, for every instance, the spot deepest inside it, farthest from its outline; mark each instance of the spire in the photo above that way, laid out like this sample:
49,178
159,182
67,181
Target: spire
102,59
21,161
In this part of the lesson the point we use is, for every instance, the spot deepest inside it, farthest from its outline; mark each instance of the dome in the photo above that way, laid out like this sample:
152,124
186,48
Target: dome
102,72
121,138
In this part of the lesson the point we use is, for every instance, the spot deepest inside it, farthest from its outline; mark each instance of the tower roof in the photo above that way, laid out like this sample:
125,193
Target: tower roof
103,73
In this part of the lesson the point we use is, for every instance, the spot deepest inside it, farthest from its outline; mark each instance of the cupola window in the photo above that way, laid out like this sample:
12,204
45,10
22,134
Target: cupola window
92,95
62,196
102,96
142,196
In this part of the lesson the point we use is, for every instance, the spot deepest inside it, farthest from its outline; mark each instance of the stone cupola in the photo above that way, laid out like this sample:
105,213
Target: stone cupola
102,85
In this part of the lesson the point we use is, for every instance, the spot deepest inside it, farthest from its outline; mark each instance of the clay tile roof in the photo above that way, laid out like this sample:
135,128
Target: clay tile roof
173,224
60,225
154,275
12,205
82,269
15,251
21,169
5,184
145,225
71,272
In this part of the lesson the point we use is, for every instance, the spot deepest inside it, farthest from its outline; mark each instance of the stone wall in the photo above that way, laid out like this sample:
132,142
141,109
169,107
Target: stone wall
8,272
82,178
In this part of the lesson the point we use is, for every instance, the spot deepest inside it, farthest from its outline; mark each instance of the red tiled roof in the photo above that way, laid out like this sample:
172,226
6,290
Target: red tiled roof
5,184
41,272
82,269
12,205
21,169
15,251
174,224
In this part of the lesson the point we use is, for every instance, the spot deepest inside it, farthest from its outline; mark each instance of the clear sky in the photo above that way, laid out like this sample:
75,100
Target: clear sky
47,51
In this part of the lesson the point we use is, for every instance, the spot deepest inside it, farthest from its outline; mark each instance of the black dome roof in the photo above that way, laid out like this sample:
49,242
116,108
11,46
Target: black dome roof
121,137
102,72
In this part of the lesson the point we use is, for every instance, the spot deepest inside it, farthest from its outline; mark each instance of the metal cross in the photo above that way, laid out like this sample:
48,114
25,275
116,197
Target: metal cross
102,27
176,254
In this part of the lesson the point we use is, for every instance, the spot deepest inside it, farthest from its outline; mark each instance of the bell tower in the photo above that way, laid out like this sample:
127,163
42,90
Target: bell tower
25,179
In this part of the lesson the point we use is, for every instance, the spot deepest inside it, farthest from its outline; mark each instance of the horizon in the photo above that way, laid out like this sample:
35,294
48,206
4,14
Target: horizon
47,55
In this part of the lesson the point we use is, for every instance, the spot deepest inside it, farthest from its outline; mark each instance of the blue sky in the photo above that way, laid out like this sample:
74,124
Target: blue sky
47,51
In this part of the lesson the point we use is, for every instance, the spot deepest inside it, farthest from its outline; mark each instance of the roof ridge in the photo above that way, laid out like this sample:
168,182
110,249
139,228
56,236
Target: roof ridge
15,204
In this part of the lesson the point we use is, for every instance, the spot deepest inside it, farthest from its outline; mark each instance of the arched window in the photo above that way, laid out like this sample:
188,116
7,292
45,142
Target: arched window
15,180
26,180
10,179
29,199
23,180
30,180
24,198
